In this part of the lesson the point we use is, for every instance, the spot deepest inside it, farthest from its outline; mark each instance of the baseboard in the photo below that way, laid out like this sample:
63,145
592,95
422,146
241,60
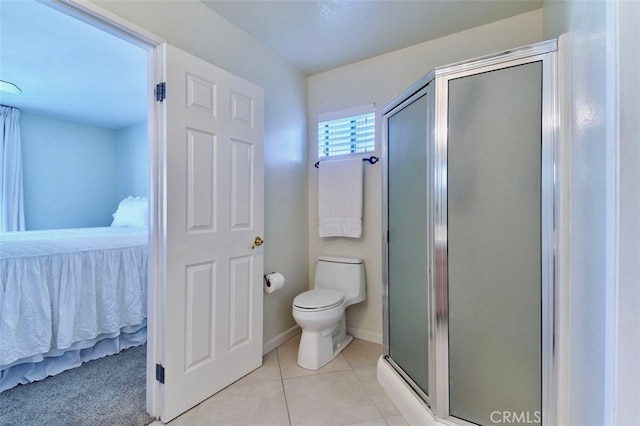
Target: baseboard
369,336
281,338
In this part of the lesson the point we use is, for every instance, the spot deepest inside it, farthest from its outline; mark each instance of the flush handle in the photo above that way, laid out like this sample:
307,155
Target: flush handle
257,242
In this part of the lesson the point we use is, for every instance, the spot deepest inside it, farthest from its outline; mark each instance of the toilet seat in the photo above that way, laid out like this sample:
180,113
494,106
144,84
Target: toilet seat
318,299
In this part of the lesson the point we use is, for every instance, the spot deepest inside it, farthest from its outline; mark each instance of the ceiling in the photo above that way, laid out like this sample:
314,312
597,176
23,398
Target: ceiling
318,35
68,69
71,70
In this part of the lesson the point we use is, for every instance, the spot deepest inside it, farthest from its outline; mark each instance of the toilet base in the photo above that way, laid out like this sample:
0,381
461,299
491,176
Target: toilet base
339,346
318,348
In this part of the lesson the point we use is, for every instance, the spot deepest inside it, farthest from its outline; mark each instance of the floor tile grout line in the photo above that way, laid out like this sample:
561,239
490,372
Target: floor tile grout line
370,398
350,369
382,417
284,390
364,389
356,358
318,374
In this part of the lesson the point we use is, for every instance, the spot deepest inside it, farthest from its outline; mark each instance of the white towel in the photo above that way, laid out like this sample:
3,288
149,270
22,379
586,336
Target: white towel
340,198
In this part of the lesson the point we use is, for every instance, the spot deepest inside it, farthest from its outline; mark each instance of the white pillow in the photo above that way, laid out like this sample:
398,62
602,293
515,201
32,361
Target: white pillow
132,211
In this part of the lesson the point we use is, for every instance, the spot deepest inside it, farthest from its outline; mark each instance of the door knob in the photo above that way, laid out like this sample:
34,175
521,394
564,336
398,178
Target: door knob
257,242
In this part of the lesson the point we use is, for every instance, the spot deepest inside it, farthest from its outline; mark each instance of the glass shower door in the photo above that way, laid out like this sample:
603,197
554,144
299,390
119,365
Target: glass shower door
408,189
494,181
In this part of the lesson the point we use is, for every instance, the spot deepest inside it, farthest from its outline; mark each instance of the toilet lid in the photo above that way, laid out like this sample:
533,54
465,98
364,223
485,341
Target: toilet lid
318,299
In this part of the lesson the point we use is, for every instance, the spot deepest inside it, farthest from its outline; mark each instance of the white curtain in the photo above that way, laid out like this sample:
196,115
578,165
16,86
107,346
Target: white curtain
11,198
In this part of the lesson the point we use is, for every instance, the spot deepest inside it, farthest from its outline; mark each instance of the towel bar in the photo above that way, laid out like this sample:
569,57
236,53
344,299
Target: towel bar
370,160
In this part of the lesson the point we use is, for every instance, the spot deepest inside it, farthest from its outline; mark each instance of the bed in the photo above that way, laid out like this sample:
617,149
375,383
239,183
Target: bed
69,296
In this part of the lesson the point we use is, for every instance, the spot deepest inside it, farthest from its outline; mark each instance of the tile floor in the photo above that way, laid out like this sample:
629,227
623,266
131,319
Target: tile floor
343,392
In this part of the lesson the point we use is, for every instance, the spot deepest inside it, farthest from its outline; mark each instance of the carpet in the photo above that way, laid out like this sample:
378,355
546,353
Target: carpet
109,391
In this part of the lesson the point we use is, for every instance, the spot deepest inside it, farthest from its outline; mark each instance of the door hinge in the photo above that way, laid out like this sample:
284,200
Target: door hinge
160,373
161,91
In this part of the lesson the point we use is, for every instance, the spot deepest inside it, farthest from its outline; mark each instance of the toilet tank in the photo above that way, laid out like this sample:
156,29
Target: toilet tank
344,274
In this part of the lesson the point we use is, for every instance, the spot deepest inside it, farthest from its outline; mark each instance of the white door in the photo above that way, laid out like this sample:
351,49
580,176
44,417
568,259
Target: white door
214,211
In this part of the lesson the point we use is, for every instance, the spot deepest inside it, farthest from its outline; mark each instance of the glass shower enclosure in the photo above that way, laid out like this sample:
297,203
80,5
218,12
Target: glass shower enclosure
469,207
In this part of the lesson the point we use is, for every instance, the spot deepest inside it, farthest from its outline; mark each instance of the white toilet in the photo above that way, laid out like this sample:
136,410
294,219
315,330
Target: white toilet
320,312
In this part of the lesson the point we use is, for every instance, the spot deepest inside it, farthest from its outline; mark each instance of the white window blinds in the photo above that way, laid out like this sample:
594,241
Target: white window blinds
347,132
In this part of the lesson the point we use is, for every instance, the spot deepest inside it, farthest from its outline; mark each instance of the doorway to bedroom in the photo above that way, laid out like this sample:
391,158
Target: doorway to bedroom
206,219
83,115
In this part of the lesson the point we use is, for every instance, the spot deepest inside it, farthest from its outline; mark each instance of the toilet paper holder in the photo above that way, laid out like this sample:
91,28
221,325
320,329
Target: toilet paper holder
266,278
273,281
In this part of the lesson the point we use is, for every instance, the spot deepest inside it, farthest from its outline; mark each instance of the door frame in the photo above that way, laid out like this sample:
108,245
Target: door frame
113,24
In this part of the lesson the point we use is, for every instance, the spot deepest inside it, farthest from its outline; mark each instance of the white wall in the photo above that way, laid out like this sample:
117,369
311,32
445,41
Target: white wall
195,28
583,86
380,80
625,354
601,370
75,174
69,171
132,170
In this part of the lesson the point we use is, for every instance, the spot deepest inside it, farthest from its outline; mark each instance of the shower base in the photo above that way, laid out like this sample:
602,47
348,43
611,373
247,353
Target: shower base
412,408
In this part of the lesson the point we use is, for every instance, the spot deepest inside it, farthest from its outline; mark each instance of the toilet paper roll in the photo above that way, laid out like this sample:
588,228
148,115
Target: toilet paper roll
273,282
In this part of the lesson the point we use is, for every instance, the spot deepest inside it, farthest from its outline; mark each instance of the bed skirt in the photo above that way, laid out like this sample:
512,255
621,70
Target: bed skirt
55,362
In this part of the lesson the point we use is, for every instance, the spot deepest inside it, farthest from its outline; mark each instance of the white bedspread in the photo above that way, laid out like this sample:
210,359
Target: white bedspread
62,287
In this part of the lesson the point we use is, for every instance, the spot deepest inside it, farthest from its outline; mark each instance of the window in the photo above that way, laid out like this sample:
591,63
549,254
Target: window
346,132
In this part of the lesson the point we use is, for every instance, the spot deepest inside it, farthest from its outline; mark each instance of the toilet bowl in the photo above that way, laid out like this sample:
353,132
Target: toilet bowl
320,312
